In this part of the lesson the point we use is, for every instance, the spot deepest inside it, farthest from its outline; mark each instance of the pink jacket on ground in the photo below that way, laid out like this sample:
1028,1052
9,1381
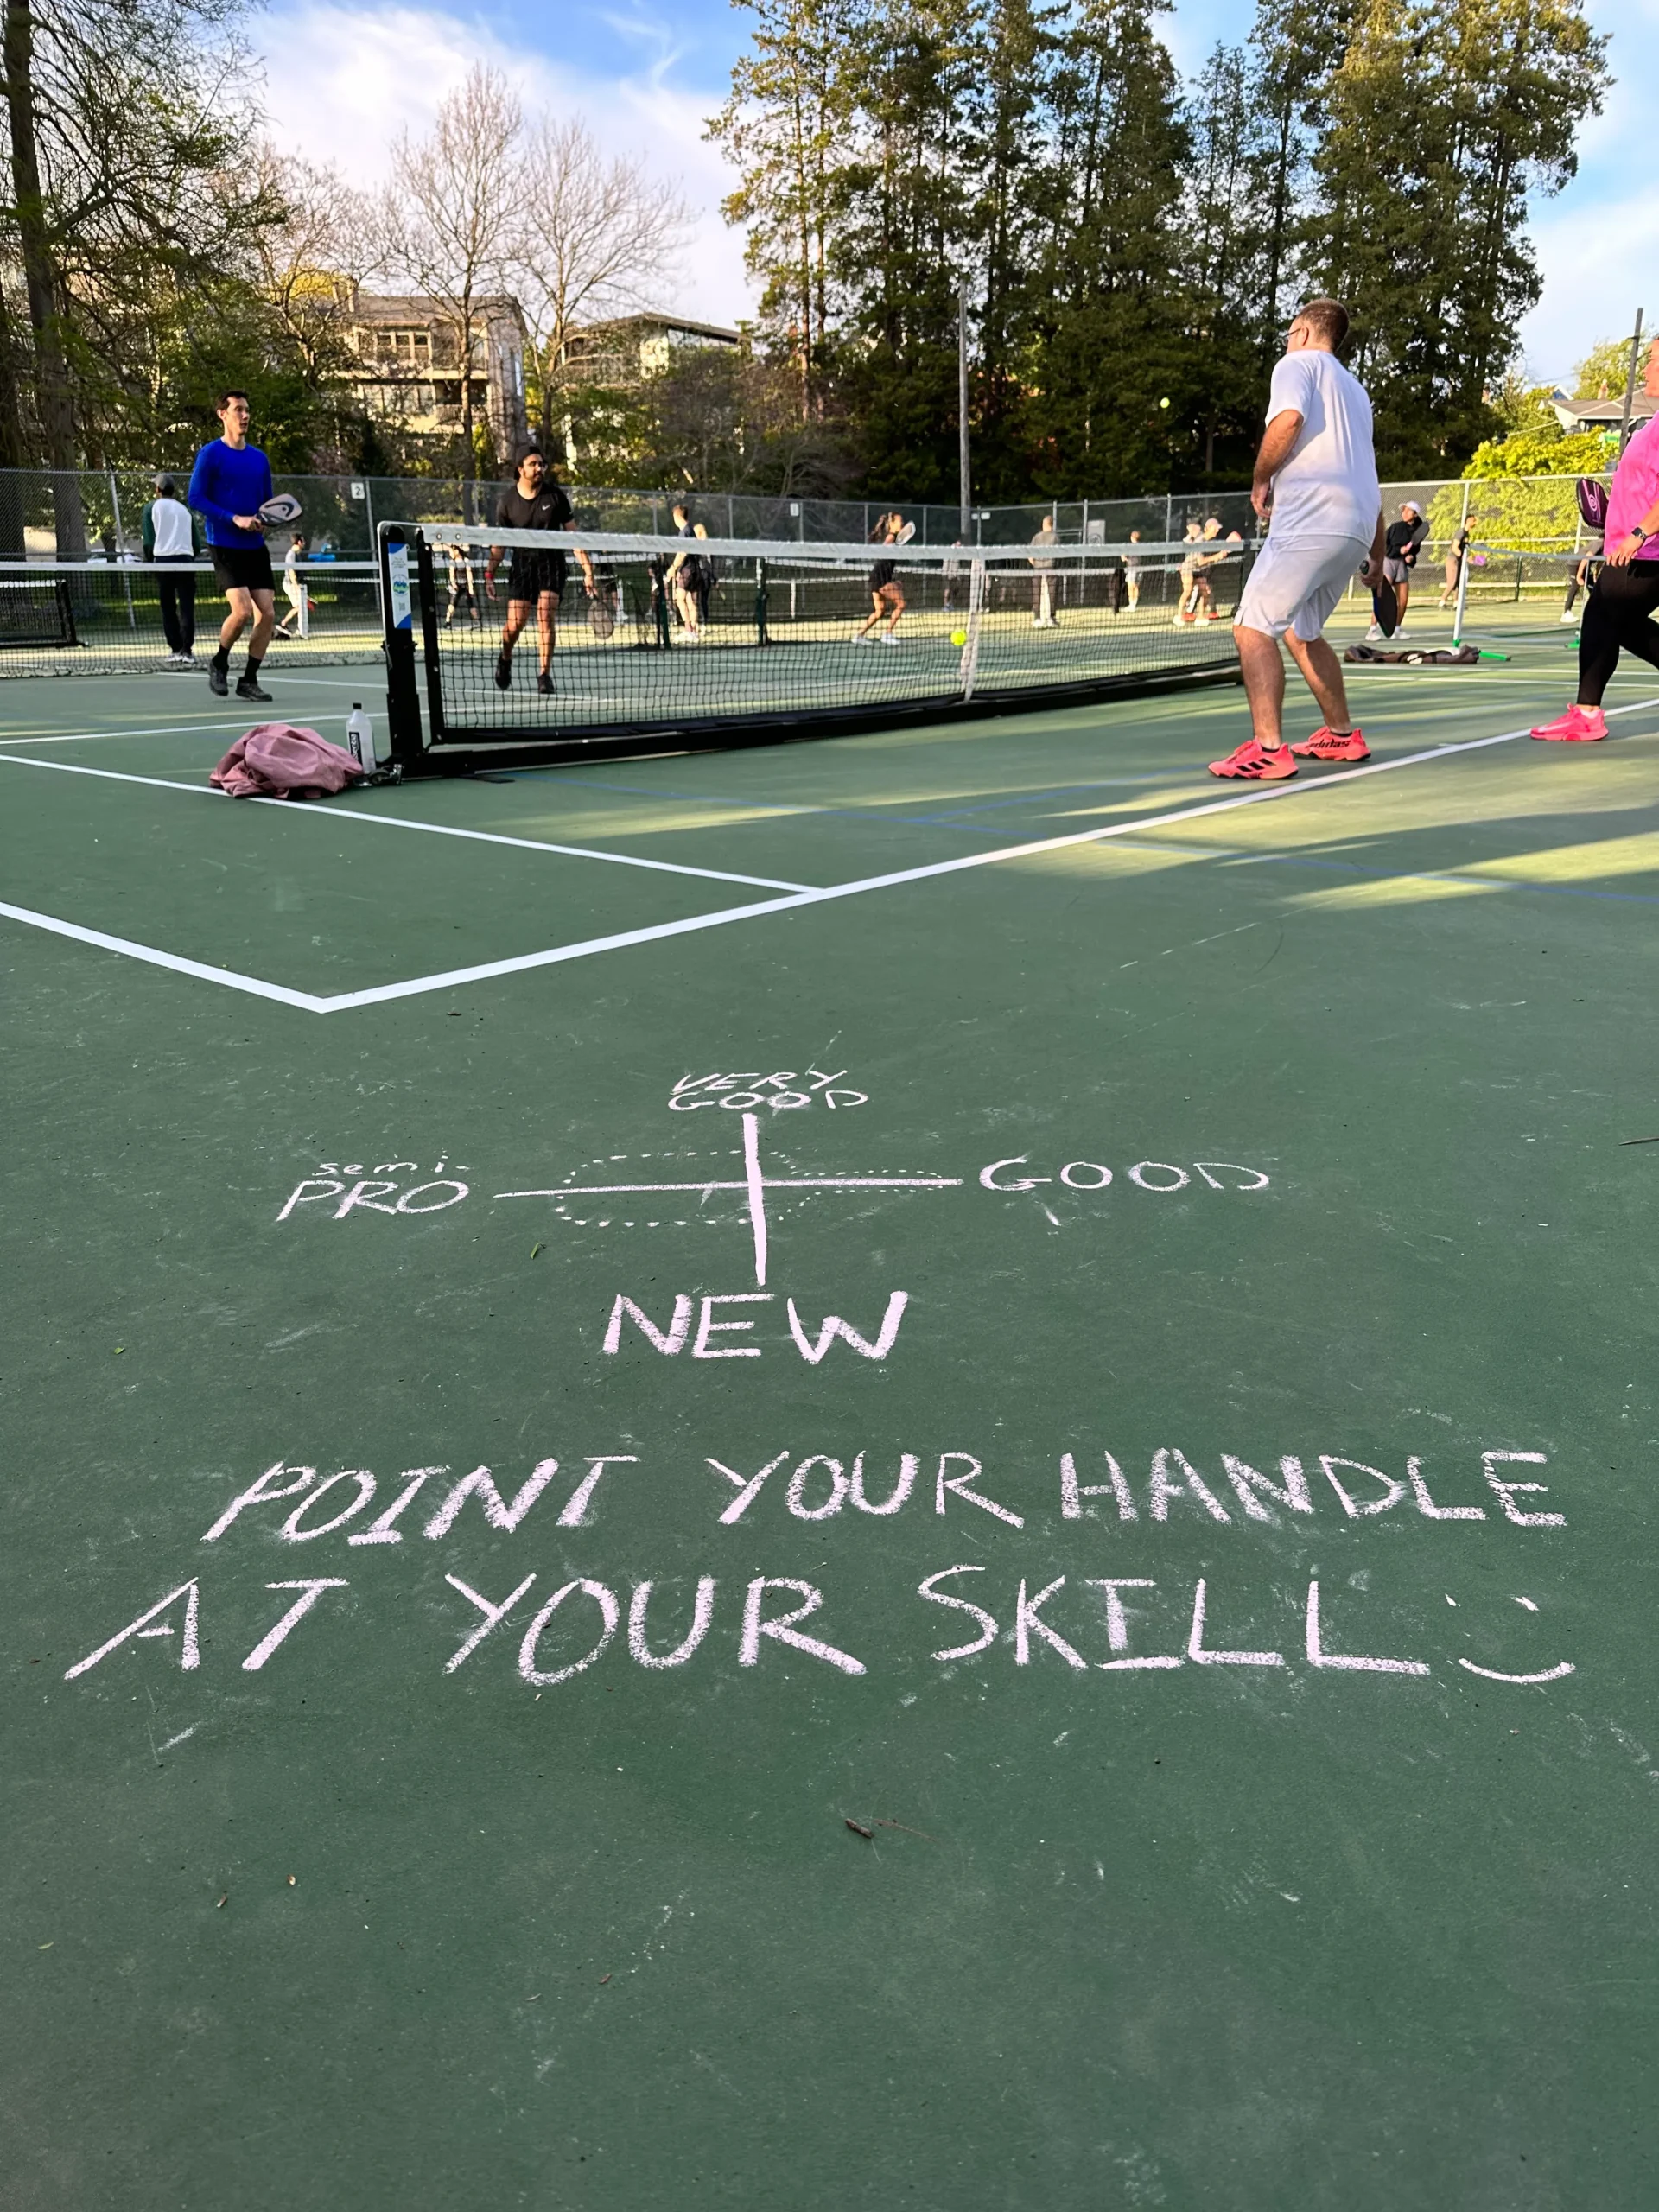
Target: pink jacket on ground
282,761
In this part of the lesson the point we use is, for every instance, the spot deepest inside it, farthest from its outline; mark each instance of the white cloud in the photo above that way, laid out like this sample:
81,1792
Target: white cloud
342,82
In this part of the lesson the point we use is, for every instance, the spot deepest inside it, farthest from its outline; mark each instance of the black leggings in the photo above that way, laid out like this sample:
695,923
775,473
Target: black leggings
1618,617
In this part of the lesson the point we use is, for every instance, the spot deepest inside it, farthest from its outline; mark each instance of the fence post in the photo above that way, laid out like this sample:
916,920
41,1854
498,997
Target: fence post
120,549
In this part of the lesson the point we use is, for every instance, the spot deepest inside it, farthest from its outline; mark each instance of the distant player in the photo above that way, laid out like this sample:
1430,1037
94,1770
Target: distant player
886,593
229,484
462,600
1580,577
1401,546
1132,574
684,578
535,577
1455,558
171,540
1042,581
1316,479
293,588
1618,613
1187,608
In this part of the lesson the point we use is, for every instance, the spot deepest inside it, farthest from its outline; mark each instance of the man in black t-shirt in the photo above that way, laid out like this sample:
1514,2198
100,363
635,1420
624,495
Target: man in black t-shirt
1401,546
535,577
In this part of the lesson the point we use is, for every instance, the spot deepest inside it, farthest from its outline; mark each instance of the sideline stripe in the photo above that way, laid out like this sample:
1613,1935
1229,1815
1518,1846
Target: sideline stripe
157,958
395,821
416,986
150,729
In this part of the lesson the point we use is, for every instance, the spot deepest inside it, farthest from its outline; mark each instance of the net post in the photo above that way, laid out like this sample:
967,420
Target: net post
397,594
1463,593
761,636
975,603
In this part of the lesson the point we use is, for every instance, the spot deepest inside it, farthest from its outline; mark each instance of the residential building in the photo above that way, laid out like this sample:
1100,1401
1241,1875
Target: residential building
1607,410
628,348
409,370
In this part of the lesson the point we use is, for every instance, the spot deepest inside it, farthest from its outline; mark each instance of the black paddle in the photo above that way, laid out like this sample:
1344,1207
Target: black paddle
1386,601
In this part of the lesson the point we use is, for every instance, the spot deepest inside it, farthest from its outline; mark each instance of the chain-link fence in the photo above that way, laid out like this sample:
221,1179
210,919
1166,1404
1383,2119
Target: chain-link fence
89,514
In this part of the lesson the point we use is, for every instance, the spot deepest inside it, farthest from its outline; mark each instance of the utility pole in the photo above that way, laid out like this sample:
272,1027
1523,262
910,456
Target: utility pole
966,519
1630,384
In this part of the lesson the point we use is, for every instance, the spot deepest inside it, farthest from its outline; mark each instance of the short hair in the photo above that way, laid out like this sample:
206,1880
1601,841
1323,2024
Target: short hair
1326,319
231,393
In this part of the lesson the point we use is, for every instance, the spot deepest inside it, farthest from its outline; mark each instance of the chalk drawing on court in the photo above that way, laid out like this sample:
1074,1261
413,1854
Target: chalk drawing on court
757,1192
781,1091
379,1190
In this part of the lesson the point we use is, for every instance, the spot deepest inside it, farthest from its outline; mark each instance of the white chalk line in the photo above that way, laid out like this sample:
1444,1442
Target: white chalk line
452,978
755,1185
397,822
767,1182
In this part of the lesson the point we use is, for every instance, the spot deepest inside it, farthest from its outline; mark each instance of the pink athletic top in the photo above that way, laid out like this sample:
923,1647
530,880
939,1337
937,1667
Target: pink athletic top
1635,489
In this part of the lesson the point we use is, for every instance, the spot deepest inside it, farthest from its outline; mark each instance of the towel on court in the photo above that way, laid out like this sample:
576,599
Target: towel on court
1442,657
282,760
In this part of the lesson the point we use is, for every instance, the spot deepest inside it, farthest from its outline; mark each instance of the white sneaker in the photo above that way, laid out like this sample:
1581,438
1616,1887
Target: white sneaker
861,636
1399,634
1569,617
889,637
1374,635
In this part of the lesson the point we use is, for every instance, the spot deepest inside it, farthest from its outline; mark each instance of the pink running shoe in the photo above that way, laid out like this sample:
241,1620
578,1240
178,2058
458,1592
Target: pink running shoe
1578,726
1255,764
1331,745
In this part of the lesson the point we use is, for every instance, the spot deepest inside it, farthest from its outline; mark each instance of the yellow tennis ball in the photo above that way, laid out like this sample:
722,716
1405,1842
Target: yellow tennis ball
958,636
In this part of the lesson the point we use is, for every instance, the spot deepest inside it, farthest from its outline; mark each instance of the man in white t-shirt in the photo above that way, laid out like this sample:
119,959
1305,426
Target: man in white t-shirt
1316,482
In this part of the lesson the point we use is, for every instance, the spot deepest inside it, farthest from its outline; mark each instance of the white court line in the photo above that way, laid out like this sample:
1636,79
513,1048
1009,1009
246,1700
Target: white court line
397,822
150,729
485,970
307,1002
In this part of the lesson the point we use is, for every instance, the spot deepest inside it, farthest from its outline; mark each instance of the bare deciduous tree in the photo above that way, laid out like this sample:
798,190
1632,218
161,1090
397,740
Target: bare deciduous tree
324,243
598,236
449,219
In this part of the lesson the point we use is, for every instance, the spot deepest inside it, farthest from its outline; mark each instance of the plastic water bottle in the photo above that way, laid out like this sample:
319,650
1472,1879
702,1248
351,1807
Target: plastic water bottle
359,737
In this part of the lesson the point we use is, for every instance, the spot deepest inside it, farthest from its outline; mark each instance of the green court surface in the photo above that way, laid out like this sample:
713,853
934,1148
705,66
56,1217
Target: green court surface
902,1471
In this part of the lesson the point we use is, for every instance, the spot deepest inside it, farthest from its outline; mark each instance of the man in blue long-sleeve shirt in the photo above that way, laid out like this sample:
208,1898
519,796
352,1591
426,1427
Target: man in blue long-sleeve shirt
229,484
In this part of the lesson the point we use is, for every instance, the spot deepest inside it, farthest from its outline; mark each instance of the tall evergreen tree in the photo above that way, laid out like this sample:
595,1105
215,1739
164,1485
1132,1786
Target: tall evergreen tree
785,126
1107,339
1447,117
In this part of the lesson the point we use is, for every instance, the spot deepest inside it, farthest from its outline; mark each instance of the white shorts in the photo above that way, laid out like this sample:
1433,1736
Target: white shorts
1296,583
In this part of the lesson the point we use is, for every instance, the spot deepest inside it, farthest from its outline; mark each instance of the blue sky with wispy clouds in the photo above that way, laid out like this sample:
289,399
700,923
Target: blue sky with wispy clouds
342,76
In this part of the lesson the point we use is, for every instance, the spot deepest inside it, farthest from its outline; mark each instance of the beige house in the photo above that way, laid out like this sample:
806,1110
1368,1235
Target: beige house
629,348
618,356
409,366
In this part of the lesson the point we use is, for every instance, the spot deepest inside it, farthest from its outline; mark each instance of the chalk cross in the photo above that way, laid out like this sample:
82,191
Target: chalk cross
755,1185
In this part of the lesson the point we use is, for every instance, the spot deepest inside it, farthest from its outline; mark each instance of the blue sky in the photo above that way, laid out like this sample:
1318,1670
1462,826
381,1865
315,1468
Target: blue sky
343,76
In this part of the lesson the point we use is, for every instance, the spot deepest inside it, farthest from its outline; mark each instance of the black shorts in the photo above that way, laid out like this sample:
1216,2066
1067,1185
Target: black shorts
530,574
243,567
